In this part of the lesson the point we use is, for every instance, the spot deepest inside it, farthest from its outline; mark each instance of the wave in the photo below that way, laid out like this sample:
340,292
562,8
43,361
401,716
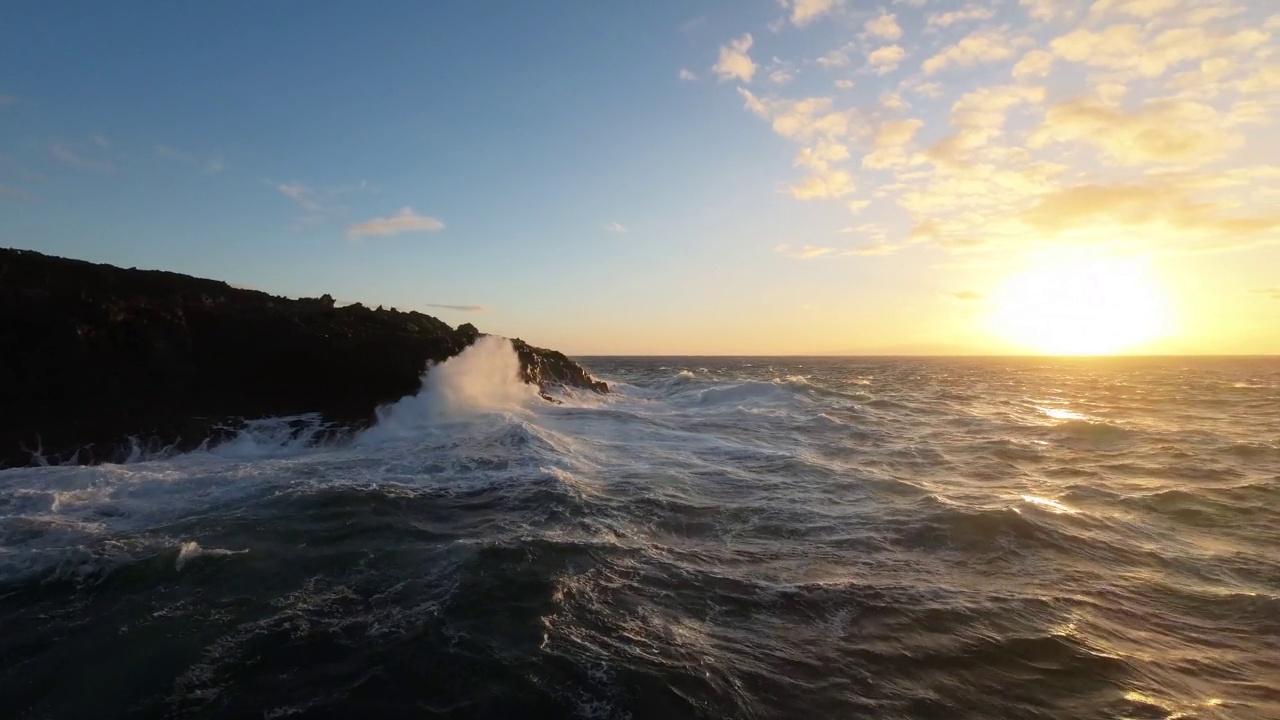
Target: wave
484,378
1092,431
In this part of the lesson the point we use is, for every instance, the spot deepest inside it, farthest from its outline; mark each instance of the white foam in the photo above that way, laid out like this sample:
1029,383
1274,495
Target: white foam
483,378
191,550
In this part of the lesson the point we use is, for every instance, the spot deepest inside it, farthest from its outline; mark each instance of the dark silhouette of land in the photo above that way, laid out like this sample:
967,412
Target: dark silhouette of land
95,359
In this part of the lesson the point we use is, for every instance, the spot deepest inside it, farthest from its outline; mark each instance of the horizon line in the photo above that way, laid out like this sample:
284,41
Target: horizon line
938,356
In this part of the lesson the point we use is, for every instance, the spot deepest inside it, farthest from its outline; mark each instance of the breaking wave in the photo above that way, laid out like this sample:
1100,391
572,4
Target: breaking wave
719,538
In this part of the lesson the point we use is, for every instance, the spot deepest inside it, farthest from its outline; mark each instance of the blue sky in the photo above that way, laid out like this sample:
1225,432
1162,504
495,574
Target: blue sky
671,176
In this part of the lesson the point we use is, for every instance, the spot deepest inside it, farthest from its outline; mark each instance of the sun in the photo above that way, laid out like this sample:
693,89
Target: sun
1076,305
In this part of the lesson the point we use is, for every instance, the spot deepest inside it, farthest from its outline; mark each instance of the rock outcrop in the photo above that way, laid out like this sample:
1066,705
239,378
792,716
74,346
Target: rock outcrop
95,358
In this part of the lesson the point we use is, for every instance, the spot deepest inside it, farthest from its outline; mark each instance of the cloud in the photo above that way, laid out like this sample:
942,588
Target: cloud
615,227
808,252
979,118
804,12
836,58
947,19
803,119
459,308
1271,293
1144,9
7,191
814,122
1151,204
1034,64
301,194
1160,131
891,141
825,183
212,165
9,100
876,249
404,221
981,46
694,25
1131,96
734,61
72,156
967,295
822,154
886,59
1128,49
883,26
781,72
687,75
1043,10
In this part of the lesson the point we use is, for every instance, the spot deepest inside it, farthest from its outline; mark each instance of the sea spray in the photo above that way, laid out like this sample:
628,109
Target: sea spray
485,377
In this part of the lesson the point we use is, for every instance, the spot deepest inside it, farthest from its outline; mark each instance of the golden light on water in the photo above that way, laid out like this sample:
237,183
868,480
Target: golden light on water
1082,306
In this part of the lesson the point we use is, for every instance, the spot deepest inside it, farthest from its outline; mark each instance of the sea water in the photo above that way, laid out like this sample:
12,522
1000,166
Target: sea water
719,538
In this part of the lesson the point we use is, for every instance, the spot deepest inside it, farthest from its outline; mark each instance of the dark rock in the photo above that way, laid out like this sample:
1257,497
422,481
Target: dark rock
93,355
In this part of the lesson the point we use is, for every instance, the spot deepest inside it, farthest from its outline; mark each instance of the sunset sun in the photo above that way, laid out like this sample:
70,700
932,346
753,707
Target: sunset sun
1081,306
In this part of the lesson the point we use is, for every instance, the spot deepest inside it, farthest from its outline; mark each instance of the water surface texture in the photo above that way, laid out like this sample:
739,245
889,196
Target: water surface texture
721,538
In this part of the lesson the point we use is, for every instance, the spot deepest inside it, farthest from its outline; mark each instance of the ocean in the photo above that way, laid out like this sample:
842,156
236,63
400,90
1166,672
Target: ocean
719,538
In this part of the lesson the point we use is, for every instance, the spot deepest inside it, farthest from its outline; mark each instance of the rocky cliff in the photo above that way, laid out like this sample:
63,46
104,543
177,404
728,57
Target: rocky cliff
94,355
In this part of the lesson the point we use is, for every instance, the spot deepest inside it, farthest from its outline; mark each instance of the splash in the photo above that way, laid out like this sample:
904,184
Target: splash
483,378
191,550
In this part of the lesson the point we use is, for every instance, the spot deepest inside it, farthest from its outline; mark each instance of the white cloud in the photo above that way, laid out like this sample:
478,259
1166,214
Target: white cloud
1043,10
1034,64
1160,131
886,59
843,84
927,89
72,156
979,117
947,19
808,252
804,12
687,75
615,227
874,249
836,58
1127,48
824,184
301,194
781,73
981,46
893,102
1142,205
459,308
692,26
802,119
883,26
891,142
212,165
734,61
404,221
1144,9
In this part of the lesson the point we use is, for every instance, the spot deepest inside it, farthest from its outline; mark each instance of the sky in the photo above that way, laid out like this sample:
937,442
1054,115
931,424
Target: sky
672,176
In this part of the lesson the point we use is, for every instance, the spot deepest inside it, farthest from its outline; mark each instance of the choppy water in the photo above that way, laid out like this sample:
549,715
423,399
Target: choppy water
723,538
